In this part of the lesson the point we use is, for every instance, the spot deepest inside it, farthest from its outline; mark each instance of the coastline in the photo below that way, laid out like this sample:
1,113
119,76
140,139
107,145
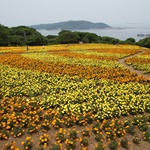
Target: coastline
121,33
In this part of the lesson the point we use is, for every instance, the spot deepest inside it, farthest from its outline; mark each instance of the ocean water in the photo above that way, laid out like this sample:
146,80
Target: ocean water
121,34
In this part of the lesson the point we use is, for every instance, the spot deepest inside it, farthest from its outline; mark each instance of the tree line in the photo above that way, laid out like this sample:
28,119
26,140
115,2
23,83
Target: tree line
23,35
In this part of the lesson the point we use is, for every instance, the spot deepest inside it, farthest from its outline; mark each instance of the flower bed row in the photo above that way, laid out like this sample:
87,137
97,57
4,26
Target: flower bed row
89,72
50,57
18,118
75,94
141,62
87,55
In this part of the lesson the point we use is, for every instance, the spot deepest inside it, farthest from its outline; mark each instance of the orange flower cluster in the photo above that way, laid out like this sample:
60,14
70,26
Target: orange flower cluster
18,110
11,49
11,146
141,62
84,56
146,53
88,72
117,50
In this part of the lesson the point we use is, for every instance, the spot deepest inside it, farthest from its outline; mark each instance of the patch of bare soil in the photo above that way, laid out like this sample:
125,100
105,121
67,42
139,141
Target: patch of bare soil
143,145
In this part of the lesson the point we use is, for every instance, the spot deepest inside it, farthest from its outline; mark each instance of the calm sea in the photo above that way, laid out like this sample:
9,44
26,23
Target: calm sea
121,34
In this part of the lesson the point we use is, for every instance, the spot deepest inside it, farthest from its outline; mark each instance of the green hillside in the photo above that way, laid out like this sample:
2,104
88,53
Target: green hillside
71,25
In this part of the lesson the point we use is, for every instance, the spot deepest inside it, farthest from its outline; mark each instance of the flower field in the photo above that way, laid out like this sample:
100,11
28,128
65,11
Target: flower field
74,97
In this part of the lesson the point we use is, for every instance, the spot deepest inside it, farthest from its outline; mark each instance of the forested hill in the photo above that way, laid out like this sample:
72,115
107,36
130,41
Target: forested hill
71,25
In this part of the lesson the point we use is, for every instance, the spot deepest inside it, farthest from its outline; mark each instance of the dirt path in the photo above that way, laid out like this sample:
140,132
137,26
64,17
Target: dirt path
139,73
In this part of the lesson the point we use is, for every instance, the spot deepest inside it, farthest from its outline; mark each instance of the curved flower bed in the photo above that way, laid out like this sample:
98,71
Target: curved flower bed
141,62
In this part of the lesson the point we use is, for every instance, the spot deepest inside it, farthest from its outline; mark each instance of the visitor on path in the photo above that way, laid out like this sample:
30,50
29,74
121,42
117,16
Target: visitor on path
27,48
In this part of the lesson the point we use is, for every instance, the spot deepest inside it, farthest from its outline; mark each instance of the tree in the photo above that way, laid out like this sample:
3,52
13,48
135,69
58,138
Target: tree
4,35
130,41
16,40
52,39
36,39
87,37
27,36
81,35
64,31
20,35
66,37
109,40
144,42
91,37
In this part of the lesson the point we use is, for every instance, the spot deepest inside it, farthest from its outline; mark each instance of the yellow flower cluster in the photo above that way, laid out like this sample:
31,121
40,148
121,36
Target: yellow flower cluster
11,146
44,140
28,143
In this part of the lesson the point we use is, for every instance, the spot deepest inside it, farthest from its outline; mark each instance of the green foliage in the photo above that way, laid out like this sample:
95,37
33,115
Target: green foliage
72,25
147,136
60,136
99,137
18,131
125,143
23,35
90,37
121,42
113,145
28,36
4,134
66,37
4,35
144,42
70,144
20,35
36,39
87,37
51,39
28,144
73,134
136,140
22,31
64,31
56,147
130,41
84,141
130,129
85,132
81,35
11,146
109,40
17,40
96,128
100,146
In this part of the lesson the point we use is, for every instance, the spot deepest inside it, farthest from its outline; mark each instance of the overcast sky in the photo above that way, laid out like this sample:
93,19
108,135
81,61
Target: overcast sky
111,12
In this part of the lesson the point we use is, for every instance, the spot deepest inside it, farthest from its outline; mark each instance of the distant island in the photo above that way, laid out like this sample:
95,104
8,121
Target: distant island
143,35
71,25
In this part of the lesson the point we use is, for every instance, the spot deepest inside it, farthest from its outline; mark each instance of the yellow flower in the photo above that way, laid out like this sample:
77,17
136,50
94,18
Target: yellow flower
12,147
45,145
28,138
